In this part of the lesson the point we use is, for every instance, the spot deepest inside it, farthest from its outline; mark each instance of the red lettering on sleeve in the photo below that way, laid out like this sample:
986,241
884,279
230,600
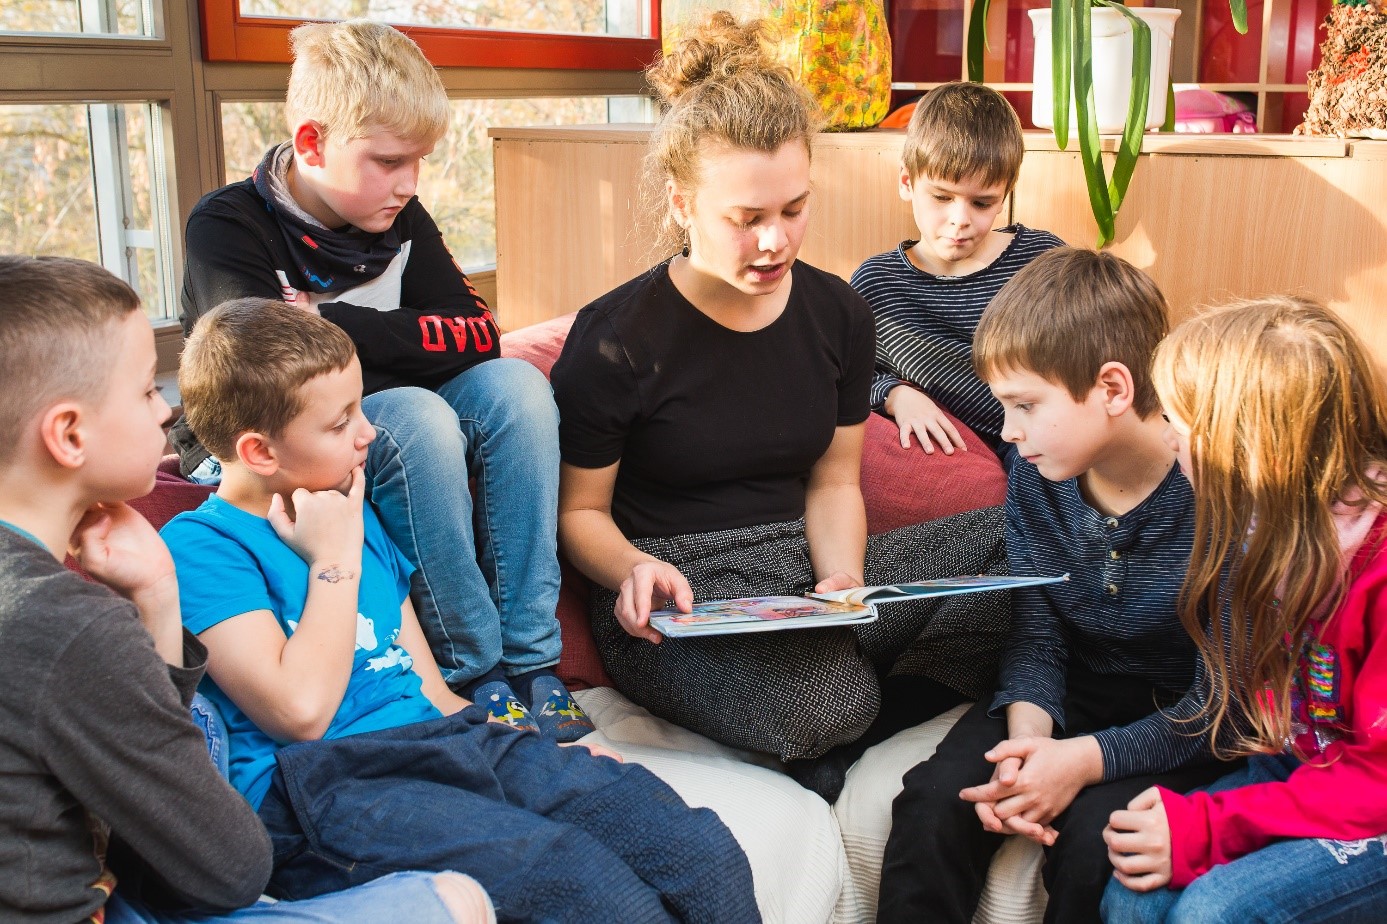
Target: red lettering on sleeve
432,327
481,332
459,332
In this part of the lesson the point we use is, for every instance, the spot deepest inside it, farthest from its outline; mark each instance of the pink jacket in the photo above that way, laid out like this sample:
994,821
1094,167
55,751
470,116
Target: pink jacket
1339,717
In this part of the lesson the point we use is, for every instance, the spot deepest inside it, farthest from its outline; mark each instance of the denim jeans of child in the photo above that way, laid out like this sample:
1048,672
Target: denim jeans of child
1305,880
552,833
487,582
405,897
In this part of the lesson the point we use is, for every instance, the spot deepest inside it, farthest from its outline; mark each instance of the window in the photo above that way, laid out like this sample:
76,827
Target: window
90,181
456,184
87,140
100,17
583,34
111,123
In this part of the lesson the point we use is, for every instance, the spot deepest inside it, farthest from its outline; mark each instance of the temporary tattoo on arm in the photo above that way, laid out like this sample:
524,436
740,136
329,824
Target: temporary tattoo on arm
334,574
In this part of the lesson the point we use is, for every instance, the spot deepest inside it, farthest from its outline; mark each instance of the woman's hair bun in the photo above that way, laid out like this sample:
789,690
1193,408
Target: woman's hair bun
714,47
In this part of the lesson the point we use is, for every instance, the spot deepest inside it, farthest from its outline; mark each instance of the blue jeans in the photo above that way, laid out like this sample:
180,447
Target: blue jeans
551,833
487,584
401,897
1303,880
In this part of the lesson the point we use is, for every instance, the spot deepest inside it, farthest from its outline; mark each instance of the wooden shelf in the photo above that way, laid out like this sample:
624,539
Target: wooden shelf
1273,57
1208,216
891,139
1249,145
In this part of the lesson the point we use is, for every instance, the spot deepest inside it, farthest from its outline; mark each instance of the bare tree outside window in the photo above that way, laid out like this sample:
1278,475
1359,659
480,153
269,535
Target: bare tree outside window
81,180
47,204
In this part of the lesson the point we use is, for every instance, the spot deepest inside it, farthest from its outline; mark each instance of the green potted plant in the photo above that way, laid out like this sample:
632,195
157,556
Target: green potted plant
1070,67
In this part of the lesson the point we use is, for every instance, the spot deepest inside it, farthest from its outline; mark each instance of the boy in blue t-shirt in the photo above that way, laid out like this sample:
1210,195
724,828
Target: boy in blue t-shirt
343,734
465,475
961,159
235,560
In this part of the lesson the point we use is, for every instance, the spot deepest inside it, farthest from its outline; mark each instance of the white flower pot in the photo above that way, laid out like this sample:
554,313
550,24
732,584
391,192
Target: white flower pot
1112,67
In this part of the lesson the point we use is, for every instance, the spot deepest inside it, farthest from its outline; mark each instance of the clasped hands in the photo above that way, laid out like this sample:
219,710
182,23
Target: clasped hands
1035,779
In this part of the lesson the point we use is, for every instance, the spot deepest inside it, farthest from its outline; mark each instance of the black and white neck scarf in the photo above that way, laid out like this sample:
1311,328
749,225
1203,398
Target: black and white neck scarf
331,260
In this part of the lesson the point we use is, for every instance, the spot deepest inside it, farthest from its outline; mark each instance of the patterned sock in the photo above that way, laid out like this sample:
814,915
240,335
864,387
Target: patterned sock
493,692
557,713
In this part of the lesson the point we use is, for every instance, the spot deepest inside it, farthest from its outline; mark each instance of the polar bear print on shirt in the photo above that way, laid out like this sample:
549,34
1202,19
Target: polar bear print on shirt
365,633
394,656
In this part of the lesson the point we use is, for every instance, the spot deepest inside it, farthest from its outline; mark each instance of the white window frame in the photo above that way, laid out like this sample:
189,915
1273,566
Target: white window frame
118,238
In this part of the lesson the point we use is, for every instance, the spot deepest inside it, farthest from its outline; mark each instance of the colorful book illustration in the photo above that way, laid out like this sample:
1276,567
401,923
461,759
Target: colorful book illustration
838,608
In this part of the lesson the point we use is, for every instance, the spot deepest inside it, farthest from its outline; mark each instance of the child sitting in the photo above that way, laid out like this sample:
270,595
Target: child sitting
329,222
1092,491
1279,418
344,735
962,156
105,780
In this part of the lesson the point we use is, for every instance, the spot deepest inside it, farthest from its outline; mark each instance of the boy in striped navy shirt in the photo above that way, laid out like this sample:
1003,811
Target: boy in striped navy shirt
962,156
1094,490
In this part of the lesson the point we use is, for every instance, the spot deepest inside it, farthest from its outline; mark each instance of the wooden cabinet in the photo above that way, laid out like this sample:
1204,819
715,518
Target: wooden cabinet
1208,217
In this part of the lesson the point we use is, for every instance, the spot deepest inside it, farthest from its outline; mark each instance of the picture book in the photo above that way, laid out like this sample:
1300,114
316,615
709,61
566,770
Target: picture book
758,614
837,608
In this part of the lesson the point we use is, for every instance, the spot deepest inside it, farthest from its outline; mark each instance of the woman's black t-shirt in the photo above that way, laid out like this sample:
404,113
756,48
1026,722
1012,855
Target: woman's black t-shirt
714,428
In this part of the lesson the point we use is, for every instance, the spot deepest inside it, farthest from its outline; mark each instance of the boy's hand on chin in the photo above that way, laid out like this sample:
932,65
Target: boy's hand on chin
326,528
120,549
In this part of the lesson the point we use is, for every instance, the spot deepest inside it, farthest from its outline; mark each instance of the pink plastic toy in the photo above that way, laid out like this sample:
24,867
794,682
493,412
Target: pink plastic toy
1204,112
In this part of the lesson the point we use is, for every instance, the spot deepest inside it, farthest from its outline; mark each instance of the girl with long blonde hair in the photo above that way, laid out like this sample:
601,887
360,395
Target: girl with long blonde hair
1279,418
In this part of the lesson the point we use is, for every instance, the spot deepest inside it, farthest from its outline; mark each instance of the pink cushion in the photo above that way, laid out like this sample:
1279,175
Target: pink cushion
904,486
580,666
539,344
172,495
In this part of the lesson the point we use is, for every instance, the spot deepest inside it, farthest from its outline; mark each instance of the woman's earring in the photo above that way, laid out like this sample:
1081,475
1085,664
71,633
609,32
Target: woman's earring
685,251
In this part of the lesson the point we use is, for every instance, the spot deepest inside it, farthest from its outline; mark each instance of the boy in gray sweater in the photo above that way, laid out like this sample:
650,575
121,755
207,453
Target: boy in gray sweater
102,774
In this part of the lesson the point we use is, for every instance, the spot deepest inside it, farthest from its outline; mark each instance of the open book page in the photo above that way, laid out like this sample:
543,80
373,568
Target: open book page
758,614
941,587
839,608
